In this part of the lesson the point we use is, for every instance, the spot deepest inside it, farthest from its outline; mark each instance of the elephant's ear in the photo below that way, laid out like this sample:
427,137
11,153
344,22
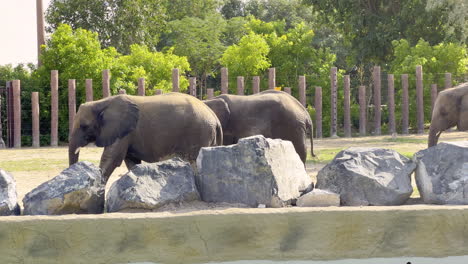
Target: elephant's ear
116,118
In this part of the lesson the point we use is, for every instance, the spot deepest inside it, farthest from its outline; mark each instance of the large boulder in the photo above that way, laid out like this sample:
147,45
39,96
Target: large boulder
153,185
368,176
76,190
442,173
255,171
8,199
318,198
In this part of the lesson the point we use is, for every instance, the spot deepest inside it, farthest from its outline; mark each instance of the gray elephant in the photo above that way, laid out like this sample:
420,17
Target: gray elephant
273,114
144,128
450,109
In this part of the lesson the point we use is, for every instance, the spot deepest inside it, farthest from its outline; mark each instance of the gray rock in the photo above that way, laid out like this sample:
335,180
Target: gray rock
368,176
442,173
76,190
153,185
255,171
318,197
8,199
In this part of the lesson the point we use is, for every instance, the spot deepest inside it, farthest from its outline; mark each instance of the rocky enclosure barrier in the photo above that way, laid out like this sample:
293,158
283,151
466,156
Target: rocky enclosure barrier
256,172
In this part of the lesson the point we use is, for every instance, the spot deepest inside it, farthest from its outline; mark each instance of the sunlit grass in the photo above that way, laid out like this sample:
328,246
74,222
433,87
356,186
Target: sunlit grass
406,140
324,155
39,164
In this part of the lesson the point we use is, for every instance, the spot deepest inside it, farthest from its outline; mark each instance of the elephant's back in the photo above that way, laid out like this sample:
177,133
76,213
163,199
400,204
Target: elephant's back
458,90
267,103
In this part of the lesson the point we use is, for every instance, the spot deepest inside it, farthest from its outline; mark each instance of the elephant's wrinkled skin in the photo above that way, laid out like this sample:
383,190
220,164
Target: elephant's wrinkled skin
273,114
450,109
144,128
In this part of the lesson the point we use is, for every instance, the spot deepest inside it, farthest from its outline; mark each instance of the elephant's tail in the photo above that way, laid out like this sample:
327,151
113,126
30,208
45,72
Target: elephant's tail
310,128
219,134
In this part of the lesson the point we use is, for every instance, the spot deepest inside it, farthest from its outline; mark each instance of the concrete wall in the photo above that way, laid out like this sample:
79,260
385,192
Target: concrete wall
237,234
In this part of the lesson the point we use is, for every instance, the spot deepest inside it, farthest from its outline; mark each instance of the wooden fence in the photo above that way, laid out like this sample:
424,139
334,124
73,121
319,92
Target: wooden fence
13,101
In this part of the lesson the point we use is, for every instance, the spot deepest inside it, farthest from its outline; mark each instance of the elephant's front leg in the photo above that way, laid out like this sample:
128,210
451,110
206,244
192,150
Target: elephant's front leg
112,158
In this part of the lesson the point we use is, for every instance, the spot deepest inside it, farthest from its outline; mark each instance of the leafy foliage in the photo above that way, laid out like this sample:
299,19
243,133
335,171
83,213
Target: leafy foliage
119,23
155,67
249,57
199,40
435,60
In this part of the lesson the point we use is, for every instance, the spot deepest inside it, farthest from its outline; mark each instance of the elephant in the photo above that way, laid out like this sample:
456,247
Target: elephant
450,109
273,114
144,128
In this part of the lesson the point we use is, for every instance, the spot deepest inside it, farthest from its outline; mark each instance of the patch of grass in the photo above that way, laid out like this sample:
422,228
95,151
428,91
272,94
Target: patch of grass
406,140
39,164
324,155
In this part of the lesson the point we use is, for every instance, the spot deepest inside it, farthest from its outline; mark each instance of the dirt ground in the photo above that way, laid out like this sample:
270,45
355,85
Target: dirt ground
32,166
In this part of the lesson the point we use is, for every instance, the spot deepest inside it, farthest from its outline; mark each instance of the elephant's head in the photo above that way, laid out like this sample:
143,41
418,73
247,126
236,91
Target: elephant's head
102,122
221,109
450,109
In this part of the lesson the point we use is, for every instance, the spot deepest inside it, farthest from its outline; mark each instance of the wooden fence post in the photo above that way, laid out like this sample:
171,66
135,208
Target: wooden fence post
255,84
209,93
89,90
54,108
240,85
404,104
35,119
287,90
71,105
271,78
224,81
2,143
193,86
318,111
158,92
433,96
347,106
362,110
334,99
302,90
377,100
10,114
122,91
105,83
448,80
419,99
175,80
141,86
17,112
391,104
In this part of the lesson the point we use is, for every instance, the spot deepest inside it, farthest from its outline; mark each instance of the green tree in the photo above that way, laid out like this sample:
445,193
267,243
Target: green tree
247,58
76,55
155,67
291,12
200,41
371,26
435,61
119,23
180,9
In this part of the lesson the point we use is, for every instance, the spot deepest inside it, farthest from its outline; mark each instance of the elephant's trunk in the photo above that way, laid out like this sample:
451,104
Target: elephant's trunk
76,142
433,137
